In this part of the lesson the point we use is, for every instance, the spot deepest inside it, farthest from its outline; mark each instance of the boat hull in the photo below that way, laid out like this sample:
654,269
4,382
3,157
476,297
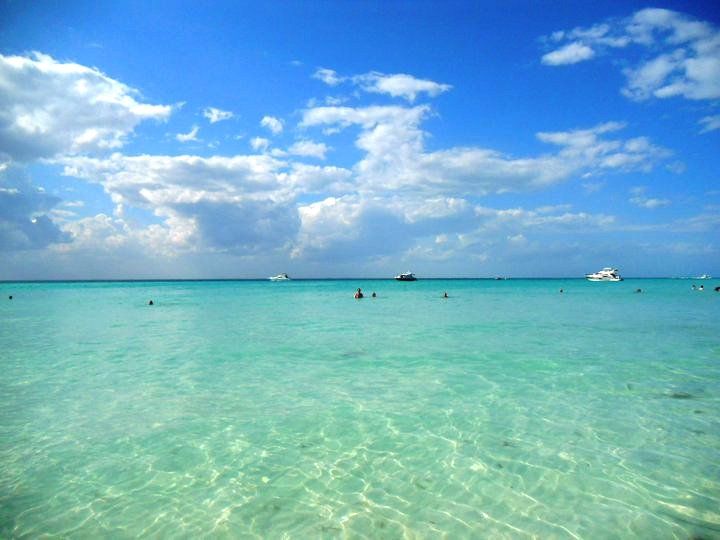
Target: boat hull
606,274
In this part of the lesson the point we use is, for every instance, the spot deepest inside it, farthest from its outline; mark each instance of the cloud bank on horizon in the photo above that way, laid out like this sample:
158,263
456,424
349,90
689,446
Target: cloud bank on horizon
354,182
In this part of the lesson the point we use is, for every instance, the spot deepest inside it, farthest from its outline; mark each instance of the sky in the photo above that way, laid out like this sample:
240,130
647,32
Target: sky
171,139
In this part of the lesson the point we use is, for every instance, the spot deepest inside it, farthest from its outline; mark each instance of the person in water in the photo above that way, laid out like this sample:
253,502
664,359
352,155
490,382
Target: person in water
151,303
445,295
359,293
374,295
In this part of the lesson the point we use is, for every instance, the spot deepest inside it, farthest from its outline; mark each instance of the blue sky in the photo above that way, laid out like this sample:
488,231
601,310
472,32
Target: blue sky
358,139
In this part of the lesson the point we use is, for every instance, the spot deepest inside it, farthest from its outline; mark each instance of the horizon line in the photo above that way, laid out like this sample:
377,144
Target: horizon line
159,280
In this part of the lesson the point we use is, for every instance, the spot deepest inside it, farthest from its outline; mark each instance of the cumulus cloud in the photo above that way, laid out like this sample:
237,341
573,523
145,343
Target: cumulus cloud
349,228
710,123
399,85
639,198
275,202
259,144
572,53
275,125
354,227
247,204
685,59
189,136
529,220
223,203
308,149
349,223
100,232
395,158
328,76
306,179
49,108
248,225
216,115
108,246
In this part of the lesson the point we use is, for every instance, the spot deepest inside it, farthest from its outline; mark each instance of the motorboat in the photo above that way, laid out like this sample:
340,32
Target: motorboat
406,276
704,276
280,277
606,274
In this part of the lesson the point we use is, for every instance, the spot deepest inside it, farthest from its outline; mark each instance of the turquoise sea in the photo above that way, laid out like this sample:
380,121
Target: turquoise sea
251,409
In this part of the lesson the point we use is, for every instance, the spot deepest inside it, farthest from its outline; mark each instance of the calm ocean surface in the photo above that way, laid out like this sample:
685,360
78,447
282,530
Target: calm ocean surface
246,409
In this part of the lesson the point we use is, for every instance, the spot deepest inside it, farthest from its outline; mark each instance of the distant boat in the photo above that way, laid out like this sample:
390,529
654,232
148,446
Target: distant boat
280,277
704,276
406,276
606,274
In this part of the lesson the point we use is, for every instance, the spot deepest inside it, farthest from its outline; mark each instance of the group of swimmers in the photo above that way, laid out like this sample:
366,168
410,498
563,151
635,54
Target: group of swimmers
702,288
359,294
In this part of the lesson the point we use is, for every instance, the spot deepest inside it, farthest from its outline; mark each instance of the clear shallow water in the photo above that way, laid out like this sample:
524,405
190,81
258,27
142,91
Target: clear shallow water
258,409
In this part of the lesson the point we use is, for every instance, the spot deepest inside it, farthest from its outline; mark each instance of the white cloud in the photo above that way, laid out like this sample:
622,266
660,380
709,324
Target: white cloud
418,210
686,61
710,123
530,220
400,85
216,115
308,149
328,76
353,227
239,204
517,239
395,158
49,108
272,202
335,100
648,79
366,117
259,144
99,232
74,204
159,180
651,203
105,237
305,179
275,125
189,136
572,53
640,199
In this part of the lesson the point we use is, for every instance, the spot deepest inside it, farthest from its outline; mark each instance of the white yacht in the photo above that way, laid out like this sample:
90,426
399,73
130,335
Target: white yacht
606,274
280,277
406,276
704,276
